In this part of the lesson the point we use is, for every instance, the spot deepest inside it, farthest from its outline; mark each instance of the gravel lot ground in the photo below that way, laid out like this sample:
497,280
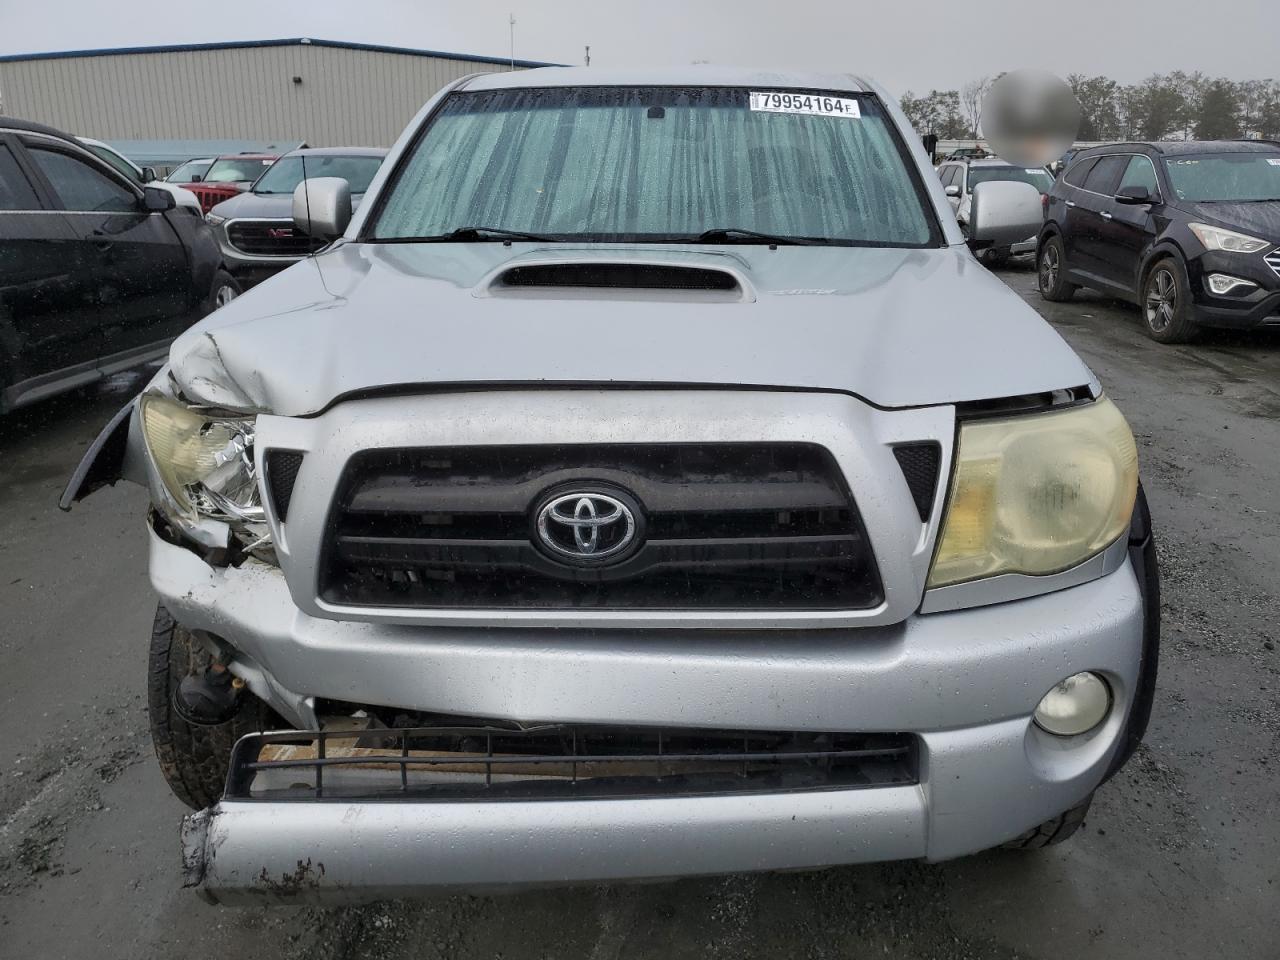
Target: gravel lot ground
1180,856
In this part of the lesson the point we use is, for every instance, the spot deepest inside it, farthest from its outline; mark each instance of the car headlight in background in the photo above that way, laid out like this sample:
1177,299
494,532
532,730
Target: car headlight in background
1037,494
1228,241
204,462
213,219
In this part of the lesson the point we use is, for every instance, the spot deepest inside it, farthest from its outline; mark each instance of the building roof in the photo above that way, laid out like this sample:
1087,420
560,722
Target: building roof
285,42
698,75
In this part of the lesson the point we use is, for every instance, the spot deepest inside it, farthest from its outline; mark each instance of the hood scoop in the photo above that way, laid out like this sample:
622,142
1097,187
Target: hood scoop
621,279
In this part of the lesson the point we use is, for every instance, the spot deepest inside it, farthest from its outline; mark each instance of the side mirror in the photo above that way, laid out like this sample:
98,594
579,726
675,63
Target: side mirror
1002,213
149,174
1134,196
322,207
952,190
156,200
196,178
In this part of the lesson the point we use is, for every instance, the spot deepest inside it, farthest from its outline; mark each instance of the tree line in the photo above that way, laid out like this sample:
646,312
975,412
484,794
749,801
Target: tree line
1165,106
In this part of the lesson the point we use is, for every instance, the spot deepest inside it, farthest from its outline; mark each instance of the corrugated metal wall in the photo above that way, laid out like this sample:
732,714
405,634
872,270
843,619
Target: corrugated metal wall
346,97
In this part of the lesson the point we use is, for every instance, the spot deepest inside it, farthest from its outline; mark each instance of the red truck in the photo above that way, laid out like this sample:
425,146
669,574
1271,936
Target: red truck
228,176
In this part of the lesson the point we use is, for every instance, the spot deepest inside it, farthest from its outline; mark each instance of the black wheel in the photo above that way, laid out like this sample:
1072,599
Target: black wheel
193,758
225,289
1166,303
996,256
1051,262
1054,830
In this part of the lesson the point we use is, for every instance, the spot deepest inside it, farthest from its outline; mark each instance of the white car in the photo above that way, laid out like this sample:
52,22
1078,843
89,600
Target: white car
141,175
959,177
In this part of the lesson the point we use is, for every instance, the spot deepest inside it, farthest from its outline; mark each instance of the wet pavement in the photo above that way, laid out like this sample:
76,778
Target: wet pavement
1180,856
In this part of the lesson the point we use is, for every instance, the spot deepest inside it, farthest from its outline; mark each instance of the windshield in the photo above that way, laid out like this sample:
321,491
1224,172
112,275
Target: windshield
287,172
233,169
1038,177
1238,177
116,161
189,171
659,163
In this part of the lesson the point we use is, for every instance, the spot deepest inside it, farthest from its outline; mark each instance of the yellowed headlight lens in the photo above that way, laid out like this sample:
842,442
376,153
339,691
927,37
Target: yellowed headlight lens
1037,494
189,448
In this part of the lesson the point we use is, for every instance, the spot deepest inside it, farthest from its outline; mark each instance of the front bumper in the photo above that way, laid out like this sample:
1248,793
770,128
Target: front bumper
1258,306
965,683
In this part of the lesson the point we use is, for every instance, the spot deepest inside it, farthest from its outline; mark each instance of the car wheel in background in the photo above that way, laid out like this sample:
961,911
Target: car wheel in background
225,289
1166,303
1051,261
996,256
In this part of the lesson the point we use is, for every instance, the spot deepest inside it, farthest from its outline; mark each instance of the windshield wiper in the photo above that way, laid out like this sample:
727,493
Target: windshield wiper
468,235
731,234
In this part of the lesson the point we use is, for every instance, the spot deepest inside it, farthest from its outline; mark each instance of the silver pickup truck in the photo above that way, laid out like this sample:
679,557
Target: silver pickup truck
646,481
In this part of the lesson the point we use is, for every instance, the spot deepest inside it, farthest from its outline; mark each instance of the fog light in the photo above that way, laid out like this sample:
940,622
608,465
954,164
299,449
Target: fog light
1220,283
1074,706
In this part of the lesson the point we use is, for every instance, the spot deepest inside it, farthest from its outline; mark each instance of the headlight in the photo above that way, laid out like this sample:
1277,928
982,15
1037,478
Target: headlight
213,219
1228,241
205,462
1037,494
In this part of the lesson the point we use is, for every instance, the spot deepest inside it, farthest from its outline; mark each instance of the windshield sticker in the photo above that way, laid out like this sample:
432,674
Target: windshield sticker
807,103
1275,162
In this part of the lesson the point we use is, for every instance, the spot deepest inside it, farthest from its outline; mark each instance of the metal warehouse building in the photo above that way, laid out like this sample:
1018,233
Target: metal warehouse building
324,92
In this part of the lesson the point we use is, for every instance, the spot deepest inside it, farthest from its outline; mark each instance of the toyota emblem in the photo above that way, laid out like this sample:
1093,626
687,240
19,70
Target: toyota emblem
586,526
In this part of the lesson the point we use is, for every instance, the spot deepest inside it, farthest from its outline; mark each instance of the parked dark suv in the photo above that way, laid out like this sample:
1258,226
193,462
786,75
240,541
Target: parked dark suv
97,273
1188,231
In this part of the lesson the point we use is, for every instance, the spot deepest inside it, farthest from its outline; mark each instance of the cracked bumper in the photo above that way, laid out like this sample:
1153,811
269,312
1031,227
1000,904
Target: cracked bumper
964,682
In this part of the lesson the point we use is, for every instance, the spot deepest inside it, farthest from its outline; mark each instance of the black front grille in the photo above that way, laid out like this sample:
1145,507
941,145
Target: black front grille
467,762
721,526
271,238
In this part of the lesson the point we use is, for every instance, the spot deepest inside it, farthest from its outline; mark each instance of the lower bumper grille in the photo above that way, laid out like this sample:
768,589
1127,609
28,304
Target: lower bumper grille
558,762
717,526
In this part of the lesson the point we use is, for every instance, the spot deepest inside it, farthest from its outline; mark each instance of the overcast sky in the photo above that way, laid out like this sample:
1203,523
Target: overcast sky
906,44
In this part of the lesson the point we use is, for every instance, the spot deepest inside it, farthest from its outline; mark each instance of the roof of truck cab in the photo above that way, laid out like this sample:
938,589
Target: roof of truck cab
692,76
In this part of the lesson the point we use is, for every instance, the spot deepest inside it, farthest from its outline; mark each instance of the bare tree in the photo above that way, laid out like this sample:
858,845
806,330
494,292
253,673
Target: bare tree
971,96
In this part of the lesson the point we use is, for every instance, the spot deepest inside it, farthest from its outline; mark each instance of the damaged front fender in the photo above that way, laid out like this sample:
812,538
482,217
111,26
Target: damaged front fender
116,454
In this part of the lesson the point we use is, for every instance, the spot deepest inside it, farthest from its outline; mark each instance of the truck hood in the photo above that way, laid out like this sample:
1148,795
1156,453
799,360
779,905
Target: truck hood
265,206
895,327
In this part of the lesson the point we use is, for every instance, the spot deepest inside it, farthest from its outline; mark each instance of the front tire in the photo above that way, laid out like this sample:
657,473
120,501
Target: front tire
1166,303
1051,264
1054,830
193,758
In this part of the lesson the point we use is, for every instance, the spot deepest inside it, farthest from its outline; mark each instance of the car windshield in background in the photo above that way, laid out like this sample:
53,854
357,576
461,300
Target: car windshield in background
1228,177
660,164
189,171
288,171
117,161
234,169
1036,176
